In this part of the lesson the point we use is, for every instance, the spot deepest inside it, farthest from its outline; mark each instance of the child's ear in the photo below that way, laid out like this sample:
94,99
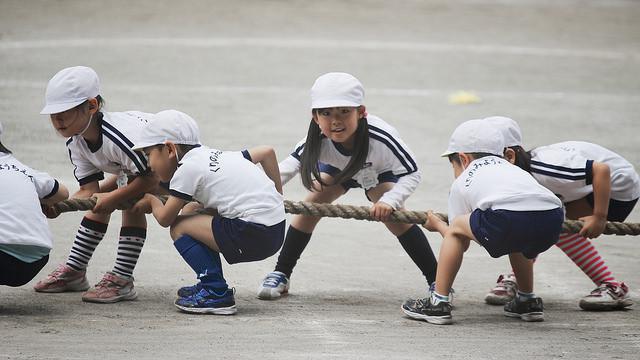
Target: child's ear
172,150
362,111
465,159
510,155
93,105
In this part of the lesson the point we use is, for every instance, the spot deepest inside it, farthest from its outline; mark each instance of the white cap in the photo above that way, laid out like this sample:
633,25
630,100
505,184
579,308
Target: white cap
476,136
336,89
69,88
169,125
509,128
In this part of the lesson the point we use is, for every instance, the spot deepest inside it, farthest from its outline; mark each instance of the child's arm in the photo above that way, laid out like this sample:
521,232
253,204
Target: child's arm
107,202
594,224
266,156
61,194
165,213
434,223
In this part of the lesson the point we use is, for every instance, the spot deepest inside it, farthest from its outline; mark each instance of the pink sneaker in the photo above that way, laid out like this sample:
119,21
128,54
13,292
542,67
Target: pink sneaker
504,291
607,296
62,279
112,288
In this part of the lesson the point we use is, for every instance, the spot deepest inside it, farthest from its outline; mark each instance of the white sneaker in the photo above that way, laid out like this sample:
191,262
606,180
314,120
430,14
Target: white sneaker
273,286
504,291
607,296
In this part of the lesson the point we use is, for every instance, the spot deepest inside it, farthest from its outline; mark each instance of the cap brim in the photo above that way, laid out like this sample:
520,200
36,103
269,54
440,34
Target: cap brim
141,146
58,108
447,153
323,104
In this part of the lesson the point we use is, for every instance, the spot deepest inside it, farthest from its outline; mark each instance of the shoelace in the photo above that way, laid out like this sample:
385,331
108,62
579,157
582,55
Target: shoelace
272,280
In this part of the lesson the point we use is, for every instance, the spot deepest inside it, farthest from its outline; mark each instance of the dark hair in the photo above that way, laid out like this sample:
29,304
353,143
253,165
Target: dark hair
4,149
523,158
477,155
311,155
184,148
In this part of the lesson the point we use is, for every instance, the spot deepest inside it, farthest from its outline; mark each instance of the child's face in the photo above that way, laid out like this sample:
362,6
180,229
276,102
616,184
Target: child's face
71,122
161,161
339,123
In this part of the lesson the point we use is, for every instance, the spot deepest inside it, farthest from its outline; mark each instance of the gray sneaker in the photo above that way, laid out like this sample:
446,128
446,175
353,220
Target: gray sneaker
527,310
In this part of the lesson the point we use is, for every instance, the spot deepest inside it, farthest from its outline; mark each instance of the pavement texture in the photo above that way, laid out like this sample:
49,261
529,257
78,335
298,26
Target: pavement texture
564,70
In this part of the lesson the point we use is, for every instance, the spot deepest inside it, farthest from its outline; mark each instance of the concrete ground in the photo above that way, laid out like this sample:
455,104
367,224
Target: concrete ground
564,70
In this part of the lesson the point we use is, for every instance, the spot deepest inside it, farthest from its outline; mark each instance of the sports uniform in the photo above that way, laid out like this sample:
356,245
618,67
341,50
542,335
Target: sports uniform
25,237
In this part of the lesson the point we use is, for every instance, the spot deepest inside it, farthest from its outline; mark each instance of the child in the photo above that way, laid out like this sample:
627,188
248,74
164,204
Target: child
98,142
344,149
25,238
497,205
596,185
250,220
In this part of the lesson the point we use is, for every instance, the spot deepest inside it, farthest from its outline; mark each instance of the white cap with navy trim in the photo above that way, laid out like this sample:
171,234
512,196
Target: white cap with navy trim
476,136
336,89
509,128
169,125
69,88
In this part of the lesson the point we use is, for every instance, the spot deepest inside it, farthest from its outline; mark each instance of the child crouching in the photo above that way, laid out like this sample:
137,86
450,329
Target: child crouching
250,220
499,206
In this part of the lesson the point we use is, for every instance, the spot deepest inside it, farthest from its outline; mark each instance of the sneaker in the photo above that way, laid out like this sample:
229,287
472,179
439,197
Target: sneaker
62,279
423,309
187,291
527,310
112,288
432,288
607,296
274,285
207,302
504,291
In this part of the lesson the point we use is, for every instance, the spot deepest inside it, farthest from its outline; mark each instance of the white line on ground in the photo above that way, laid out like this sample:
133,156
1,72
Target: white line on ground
425,93
287,43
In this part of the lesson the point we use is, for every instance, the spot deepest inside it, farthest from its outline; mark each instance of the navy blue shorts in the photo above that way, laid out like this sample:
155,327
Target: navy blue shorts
352,183
618,210
15,272
503,232
243,241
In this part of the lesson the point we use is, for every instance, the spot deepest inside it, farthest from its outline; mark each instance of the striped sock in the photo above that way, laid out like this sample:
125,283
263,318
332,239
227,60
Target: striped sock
584,254
129,248
89,235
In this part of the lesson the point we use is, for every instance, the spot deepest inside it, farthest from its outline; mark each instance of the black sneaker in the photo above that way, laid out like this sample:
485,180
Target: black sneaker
423,309
527,310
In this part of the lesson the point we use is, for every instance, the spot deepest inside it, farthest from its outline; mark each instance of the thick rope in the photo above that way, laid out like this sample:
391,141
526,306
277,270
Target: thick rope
361,213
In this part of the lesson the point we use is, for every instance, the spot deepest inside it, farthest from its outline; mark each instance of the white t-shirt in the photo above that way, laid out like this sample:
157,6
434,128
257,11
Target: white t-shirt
22,222
494,183
119,131
566,169
387,154
230,183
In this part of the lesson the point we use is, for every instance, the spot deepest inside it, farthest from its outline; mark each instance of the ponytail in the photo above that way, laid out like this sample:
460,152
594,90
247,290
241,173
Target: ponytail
523,158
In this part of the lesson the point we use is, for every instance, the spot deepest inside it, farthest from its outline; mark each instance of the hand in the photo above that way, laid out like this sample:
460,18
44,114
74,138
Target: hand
143,206
104,203
433,223
381,211
593,226
49,211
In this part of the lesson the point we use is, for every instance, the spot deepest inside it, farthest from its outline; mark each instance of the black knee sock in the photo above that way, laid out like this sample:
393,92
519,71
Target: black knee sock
294,244
416,245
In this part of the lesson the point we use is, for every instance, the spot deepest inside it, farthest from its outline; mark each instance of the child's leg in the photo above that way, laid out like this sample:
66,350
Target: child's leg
411,237
72,275
525,305
523,269
194,240
302,226
132,237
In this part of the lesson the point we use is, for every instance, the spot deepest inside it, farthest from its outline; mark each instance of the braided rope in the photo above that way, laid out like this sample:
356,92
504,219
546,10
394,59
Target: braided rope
360,213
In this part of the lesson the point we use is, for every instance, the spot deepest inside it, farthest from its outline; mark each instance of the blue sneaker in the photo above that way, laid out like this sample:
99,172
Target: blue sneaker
208,302
187,291
273,286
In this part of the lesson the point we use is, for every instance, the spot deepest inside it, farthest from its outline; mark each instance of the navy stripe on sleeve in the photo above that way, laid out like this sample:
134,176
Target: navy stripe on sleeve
589,172
139,155
246,155
128,151
56,186
91,178
298,152
180,195
557,167
558,175
398,146
394,150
